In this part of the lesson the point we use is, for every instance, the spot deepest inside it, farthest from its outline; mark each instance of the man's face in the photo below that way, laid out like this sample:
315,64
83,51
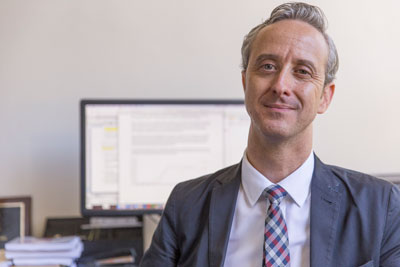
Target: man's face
284,80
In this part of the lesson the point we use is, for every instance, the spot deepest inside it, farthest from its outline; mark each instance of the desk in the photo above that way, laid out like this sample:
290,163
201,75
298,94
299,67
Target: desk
89,263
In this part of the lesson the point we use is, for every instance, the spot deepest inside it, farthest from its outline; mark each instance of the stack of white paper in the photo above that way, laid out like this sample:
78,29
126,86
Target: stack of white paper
44,251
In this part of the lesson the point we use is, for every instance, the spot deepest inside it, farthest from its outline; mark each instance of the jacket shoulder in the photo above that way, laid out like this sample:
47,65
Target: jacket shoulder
362,189
356,179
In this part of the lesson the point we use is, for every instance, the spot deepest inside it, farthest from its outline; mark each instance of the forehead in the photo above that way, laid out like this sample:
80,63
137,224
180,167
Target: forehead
291,39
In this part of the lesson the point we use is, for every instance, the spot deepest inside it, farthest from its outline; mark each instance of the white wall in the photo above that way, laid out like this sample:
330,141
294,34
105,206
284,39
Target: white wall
55,52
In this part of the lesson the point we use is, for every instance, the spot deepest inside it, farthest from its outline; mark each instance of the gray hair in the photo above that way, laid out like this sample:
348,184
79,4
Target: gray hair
312,15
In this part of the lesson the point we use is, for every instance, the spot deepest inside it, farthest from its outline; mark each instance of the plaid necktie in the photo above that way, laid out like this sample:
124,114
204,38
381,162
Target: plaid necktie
276,241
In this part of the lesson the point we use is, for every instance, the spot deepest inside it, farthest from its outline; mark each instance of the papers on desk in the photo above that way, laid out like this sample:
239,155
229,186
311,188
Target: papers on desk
30,243
44,261
44,251
3,261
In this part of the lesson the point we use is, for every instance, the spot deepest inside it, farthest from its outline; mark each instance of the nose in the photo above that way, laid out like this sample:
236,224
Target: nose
281,83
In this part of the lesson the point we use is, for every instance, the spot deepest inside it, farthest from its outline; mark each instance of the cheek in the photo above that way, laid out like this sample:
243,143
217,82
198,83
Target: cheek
250,90
256,87
311,96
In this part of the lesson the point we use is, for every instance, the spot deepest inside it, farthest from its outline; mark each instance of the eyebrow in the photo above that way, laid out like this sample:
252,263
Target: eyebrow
263,57
307,63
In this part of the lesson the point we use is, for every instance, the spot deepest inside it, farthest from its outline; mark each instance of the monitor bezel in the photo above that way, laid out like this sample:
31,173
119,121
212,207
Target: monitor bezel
84,102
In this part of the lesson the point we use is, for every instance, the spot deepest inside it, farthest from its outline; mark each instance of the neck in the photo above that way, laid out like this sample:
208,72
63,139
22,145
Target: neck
278,158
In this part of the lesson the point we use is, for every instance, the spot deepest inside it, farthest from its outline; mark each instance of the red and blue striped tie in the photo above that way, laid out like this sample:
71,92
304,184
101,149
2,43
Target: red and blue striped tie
276,241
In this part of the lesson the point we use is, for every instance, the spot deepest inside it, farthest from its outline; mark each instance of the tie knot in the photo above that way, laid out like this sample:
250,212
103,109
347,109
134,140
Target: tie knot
275,193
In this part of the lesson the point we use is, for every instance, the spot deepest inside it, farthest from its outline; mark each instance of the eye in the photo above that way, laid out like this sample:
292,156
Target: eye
303,72
268,67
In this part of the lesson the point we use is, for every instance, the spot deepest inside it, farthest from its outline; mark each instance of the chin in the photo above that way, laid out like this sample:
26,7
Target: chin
277,132
277,135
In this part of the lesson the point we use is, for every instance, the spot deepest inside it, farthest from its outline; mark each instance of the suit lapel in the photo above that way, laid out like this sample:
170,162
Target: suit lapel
325,205
222,207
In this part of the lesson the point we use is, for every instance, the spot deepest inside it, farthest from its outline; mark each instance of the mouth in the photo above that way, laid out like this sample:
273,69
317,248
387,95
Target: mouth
279,107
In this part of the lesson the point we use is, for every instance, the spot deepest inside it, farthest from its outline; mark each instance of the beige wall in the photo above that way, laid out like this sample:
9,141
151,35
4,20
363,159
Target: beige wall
54,52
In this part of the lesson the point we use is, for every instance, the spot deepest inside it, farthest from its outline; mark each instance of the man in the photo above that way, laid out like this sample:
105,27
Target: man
281,206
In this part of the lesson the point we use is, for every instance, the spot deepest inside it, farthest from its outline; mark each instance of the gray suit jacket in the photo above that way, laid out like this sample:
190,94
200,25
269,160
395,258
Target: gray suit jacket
355,220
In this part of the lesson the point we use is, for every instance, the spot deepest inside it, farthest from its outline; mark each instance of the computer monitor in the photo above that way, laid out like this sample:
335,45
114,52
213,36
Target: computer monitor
133,152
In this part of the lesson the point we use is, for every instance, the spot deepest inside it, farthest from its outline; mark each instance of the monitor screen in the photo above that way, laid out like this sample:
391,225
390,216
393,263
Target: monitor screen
134,152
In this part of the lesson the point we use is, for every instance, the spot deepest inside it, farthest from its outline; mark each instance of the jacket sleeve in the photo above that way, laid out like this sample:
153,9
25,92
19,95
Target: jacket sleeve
163,250
390,250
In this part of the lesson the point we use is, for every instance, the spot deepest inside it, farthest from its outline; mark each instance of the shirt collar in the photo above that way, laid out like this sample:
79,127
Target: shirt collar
297,184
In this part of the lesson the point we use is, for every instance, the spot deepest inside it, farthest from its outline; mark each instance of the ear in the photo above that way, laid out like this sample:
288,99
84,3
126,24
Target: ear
326,97
244,80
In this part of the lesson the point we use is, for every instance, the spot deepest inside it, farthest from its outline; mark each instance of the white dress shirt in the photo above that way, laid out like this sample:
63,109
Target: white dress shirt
245,246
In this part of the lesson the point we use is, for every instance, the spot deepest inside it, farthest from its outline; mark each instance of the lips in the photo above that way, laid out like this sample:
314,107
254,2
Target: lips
279,106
